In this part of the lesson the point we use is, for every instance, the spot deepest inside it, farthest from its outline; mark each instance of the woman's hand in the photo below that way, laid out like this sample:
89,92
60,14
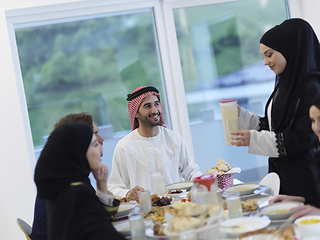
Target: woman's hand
304,211
240,138
101,176
133,193
286,198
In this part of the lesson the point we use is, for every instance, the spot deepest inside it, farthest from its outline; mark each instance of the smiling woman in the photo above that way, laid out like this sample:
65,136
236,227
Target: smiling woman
274,59
284,133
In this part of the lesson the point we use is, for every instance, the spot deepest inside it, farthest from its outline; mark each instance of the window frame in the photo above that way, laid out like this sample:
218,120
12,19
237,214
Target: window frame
167,40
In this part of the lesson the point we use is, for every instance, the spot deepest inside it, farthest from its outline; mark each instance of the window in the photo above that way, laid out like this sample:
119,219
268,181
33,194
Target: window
88,64
85,57
220,58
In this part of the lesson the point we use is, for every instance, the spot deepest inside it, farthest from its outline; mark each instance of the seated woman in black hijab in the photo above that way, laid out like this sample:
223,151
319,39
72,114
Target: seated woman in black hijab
292,52
313,205
74,212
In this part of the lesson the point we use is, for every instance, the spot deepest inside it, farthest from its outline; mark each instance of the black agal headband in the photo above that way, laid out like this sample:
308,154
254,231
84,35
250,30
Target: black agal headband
133,95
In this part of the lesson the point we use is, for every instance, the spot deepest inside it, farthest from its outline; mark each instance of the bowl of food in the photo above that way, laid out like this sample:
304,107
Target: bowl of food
243,188
281,210
125,208
308,225
237,226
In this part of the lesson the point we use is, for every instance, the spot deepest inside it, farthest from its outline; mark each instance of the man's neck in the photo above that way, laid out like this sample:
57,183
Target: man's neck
148,131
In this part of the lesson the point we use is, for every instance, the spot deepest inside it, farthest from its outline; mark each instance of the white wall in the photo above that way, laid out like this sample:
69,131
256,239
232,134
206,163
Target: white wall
16,177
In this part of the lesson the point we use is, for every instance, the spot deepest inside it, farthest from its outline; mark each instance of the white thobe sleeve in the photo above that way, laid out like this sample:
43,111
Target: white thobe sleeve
119,173
105,198
247,120
189,168
261,143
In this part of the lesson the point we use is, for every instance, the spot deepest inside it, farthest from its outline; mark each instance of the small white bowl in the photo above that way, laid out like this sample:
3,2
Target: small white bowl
271,210
308,229
246,224
242,188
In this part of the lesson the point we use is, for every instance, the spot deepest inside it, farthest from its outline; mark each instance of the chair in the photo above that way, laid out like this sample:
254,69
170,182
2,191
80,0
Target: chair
272,181
25,227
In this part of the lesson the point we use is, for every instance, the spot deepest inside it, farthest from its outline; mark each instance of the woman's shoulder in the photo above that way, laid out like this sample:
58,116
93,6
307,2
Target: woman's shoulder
313,85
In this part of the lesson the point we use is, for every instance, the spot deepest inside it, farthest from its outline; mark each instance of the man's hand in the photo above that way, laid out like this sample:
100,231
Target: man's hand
133,193
304,211
240,138
286,198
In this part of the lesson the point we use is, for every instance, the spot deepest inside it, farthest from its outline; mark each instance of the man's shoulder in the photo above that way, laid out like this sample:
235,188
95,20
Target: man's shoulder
128,138
168,133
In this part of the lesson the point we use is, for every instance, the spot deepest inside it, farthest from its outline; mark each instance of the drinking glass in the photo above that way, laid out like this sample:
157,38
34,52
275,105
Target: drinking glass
234,205
233,126
158,185
137,226
145,201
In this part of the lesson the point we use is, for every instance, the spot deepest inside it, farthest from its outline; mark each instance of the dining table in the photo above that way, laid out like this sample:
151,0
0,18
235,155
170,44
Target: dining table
262,200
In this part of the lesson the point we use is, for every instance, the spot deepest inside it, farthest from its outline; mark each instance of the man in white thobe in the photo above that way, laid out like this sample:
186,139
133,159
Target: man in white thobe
150,150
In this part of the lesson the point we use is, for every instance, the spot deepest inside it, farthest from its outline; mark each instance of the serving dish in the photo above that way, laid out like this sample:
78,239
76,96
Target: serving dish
281,210
244,224
123,227
125,208
150,234
310,227
242,188
180,185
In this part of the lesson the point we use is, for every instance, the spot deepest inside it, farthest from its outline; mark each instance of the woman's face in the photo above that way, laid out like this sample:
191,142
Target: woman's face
275,60
314,113
94,153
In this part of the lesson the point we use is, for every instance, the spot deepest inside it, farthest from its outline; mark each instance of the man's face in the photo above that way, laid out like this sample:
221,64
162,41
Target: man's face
149,113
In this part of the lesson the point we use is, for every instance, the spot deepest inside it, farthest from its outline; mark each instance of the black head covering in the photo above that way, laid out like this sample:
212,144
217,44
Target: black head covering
316,102
297,42
63,159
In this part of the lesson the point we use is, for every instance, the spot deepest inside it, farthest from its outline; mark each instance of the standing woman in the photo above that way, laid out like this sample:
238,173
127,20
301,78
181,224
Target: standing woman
74,212
292,52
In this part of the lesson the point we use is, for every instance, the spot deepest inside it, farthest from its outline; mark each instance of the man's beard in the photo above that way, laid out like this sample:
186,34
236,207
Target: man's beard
147,120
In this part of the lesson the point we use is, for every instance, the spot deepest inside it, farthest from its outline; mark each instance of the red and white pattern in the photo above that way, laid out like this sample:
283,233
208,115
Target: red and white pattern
134,104
225,180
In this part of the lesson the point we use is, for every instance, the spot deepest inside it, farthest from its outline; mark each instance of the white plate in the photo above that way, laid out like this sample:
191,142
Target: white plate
256,192
123,227
259,190
242,188
180,185
246,224
278,207
125,208
150,234
176,195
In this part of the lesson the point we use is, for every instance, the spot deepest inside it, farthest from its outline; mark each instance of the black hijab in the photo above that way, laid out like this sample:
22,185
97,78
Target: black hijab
63,159
297,42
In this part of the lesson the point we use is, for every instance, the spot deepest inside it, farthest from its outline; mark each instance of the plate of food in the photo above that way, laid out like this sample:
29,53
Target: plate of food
123,227
157,214
234,227
280,210
248,206
125,208
175,193
180,186
156,231
243,188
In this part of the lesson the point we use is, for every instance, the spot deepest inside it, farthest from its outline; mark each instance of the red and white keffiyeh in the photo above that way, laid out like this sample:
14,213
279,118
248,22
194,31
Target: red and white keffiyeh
134,104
